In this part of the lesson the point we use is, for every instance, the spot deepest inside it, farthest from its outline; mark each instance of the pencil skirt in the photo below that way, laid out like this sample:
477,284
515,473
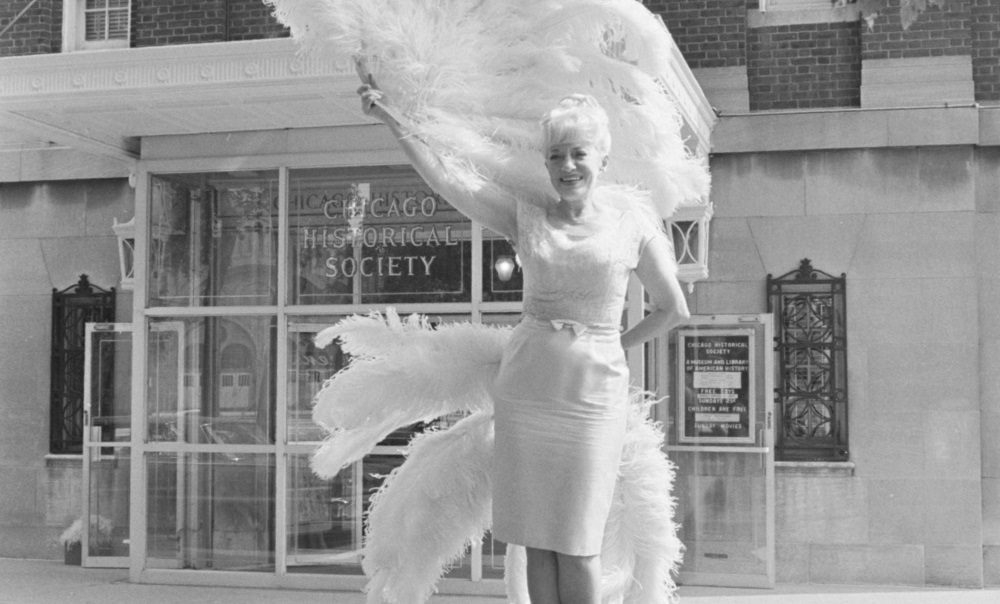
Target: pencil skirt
560,412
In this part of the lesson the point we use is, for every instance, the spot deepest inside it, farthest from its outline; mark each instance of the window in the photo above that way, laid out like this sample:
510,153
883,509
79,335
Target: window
375,235
214,239
96,24
105,20
72,309
811,362
243,269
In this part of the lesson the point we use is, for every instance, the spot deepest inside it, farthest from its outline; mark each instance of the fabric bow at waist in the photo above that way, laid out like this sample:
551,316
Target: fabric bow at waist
577,327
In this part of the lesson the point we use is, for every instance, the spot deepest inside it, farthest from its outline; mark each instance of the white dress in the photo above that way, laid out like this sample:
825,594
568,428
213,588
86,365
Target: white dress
561,396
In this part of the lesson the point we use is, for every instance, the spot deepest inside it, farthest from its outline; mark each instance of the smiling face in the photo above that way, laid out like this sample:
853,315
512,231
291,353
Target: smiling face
577,142
573,167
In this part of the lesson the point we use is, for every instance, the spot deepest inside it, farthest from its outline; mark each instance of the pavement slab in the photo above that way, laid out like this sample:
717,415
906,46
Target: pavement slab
52,582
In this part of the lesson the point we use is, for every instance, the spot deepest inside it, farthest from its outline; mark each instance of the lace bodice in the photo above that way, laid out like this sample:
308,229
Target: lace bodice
580,277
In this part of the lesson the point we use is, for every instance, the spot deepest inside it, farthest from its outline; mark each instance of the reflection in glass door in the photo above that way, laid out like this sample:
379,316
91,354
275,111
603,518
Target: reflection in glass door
208,464
719,435
324,525
104,521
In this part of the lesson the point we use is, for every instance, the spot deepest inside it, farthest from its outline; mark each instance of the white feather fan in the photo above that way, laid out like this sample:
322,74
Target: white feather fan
438,501
473,77
429,511
405,372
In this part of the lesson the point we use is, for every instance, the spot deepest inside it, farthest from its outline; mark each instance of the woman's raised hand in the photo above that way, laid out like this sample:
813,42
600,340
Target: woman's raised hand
375,103
371,100
497,214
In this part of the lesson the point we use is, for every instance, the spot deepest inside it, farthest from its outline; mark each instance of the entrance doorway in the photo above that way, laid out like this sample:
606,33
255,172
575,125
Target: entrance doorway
720,436
107,451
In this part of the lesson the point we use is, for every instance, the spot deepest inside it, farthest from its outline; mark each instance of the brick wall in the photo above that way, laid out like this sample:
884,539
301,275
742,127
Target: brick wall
709,33
937,31
986,49
165,22
55,26
251,20
804,66
793,66
37,31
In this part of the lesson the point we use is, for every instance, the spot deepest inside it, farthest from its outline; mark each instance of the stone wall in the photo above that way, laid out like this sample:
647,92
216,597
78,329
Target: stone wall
50,233
988,274
918,249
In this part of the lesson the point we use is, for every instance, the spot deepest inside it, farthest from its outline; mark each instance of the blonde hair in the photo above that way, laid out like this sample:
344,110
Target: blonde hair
577,115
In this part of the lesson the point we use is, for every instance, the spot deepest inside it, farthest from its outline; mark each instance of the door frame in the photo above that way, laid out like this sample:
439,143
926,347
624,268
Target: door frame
763,328
89,455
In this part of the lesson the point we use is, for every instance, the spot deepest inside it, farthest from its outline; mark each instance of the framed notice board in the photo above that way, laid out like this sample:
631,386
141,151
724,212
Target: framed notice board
715,393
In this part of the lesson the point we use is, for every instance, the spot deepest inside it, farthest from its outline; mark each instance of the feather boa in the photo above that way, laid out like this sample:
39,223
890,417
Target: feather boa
473,77
434,505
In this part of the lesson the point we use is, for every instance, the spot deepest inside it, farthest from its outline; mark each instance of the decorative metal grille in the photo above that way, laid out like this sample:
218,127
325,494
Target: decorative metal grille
809,309
72,309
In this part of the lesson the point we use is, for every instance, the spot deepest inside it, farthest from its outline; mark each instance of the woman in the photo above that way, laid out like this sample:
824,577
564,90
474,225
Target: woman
561,394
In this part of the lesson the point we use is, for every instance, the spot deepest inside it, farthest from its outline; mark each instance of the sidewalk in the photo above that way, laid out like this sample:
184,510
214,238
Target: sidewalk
52,582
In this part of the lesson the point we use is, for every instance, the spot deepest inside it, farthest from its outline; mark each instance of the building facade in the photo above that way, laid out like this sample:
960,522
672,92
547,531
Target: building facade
862,136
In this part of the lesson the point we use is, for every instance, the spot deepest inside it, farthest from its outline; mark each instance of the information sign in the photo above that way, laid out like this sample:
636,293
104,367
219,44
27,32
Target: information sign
386,240
715,398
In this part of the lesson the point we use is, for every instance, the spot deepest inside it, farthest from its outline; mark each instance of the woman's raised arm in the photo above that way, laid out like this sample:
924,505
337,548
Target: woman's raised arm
496,213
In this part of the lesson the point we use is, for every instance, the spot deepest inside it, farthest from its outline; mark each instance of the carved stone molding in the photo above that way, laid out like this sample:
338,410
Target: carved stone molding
163,67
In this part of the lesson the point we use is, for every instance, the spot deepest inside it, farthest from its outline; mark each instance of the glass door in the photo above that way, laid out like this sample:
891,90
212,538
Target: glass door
325,519
107,436
208,461
719,435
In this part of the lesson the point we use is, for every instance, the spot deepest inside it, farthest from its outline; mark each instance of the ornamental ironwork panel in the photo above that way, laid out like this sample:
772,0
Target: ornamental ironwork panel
72,309
810,318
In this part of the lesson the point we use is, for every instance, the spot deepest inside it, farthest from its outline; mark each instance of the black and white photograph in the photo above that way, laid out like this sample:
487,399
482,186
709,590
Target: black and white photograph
500,301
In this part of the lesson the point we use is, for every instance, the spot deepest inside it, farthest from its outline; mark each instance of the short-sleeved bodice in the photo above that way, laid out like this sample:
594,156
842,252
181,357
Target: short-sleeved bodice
579,276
